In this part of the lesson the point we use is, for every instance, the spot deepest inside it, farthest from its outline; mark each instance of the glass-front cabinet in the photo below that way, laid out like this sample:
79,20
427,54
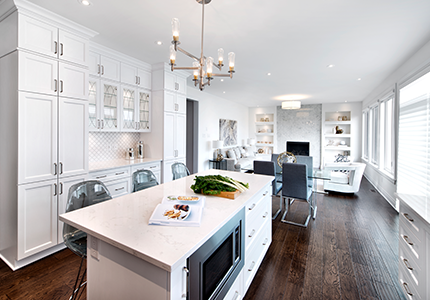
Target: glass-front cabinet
103,105
135,109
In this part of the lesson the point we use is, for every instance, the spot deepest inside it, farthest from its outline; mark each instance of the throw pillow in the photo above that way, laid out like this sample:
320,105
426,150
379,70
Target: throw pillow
248,152
231,154
237,152
242,152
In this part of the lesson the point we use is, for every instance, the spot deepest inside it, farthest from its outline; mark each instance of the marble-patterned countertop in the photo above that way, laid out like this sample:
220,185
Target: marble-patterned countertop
123,222
420,204
116,163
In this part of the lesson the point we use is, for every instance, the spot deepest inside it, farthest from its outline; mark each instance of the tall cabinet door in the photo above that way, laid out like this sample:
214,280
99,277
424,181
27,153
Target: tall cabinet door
73,48
144,110
169,136
73,81
128,108
37,217
73,137
94,104
109,106
181,135
37,142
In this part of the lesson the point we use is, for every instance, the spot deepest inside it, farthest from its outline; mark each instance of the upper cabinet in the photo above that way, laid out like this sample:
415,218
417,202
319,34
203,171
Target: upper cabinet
135,76
43,38
136,107
104,66
175,83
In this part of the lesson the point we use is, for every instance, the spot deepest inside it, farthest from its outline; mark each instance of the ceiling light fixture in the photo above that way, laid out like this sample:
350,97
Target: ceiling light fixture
84,2
291,104
359,79
268,74
330,66
199,62
159,43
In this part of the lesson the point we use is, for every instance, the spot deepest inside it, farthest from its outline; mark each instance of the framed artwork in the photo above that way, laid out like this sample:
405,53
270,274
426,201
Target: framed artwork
228,132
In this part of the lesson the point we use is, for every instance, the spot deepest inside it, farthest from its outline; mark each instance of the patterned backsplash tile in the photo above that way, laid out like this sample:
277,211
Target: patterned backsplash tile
111,145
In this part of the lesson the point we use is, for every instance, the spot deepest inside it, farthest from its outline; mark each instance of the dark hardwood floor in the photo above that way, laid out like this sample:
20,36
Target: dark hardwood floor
348,252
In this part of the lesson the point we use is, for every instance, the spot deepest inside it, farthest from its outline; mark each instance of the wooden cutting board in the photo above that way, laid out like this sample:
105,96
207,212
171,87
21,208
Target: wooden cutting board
229,195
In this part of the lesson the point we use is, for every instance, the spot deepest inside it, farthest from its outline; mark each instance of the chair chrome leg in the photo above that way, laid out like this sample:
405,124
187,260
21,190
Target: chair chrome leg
77,286
279,210
283,220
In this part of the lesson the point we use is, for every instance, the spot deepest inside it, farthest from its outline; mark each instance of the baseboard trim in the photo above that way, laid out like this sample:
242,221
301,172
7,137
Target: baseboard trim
384,194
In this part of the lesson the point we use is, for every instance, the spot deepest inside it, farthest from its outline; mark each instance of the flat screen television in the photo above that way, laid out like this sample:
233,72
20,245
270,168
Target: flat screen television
298,148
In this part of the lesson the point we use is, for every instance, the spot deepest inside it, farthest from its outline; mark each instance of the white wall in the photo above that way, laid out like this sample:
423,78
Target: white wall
211,109
414,64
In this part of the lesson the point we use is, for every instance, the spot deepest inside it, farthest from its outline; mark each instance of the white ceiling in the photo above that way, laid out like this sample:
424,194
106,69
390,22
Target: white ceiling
294,40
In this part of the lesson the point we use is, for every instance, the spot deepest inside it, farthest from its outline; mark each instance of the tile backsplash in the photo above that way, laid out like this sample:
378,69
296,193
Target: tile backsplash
104,146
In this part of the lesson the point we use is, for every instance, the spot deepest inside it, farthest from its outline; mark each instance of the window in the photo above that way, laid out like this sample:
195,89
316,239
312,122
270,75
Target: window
387,134
365,135
374,134
414,128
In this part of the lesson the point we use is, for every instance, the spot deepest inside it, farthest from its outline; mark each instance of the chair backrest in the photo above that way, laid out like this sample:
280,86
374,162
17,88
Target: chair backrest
278,168
179,170
143,179
308,161
294,181
264,167
81,195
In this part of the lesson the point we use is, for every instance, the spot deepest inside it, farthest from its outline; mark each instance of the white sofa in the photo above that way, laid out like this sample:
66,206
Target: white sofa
240,160
345,177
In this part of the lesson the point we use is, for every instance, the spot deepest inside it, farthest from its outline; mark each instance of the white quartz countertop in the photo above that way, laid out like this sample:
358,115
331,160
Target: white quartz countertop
420,204
111,164
123,221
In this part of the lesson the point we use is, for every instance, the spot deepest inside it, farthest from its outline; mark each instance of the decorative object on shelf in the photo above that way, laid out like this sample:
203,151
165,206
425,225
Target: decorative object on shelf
291,104
140,150
262,130
269,130
339,130
342,143
198,65
262,120
286,157
266,120
330,143
339,118
260,150
344,118
341,158
218,145
130,153
228,132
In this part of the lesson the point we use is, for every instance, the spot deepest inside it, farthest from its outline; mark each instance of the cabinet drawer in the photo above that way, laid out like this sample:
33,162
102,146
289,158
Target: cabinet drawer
252,203
412,222
255,221
408,287
119,187
408,265
236,292
154,167
110,174
415,247
255,254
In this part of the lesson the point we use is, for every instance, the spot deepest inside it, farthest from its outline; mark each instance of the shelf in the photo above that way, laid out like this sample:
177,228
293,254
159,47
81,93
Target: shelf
337,122
338,148
342,135
264,144
264,123
265,133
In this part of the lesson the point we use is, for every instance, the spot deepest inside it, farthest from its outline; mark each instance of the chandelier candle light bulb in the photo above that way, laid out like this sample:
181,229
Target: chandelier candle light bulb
196,64
175,29
221,56
172,54
209,64
231,58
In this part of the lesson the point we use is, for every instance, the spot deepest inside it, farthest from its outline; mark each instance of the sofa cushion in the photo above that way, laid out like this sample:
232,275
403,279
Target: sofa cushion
231,154
237,152
242,152
248,152
340,177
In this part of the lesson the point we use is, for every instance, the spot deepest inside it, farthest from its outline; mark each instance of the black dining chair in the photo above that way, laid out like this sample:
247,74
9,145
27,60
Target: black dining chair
81,195
295,187
143,179
268,168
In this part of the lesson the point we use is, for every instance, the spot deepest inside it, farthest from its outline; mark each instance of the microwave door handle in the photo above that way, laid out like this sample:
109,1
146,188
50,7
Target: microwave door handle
185,274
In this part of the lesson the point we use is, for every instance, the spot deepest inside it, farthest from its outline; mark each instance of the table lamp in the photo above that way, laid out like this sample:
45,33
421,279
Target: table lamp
218,145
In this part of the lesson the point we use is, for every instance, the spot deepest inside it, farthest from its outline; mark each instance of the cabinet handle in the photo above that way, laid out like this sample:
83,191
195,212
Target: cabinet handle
55,189
98,68
61,188
103,70
406,238
236,295
55,168
265,193
185,282
252,207
98,123
265,215
61,86
406,262
252,233
153,167
139,79
118,189
119,173
252,266
61,49
265,242
408,218
407,290
103,176
103,124
61,168
55,85
55,47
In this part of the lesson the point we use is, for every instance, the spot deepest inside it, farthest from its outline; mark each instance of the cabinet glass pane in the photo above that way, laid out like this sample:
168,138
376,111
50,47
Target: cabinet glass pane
92,103
128,108
110,106
143,110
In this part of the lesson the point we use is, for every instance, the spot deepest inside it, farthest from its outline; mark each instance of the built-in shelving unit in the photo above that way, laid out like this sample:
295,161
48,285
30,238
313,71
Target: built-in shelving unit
335,143
265,132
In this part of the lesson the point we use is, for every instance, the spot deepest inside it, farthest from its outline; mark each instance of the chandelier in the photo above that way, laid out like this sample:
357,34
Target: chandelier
199,74
291,104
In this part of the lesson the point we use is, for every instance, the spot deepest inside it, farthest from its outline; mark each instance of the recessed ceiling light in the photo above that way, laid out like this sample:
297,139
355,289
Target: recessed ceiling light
358,79
346,101
159,42
223,92
84,2
330,66
222,79
268,74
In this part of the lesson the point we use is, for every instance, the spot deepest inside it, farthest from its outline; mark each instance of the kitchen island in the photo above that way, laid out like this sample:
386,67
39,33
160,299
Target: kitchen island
127,258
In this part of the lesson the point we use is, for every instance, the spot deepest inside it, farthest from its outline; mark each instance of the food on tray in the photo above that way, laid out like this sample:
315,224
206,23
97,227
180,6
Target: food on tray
188,198
179,212
181,207
215,184
169,212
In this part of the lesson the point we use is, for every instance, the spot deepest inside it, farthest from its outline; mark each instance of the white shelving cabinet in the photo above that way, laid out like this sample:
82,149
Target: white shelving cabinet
265,132
336,143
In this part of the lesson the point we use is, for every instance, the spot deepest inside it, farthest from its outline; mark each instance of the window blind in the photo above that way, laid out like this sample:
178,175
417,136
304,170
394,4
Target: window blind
414,129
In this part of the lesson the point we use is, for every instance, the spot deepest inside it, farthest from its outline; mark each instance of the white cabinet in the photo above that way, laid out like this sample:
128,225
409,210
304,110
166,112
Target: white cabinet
39,74
119,187
49,40
103,105
135,76
136,109
174,102
104,66
174,142
265,133
175,83
337,135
